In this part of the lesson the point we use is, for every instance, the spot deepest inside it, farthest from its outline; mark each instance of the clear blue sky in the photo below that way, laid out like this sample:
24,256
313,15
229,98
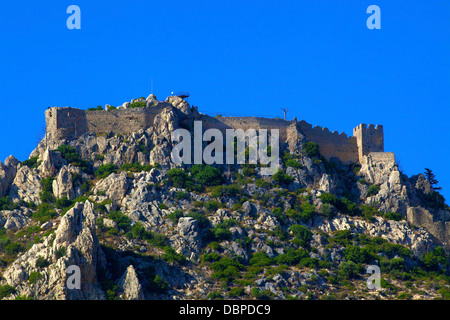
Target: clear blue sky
316,58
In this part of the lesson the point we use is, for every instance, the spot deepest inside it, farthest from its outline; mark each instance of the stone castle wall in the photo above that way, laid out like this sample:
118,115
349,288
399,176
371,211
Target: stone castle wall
71,123
369,139
423,217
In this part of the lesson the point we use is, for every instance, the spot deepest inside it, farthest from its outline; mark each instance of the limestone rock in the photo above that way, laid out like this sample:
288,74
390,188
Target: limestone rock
14,220
63,184
180,104
26,185
75,235
129,285
115,186
50,163
7,174
187,241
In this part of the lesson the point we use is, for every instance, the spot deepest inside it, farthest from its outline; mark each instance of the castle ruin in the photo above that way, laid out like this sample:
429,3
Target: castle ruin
67,122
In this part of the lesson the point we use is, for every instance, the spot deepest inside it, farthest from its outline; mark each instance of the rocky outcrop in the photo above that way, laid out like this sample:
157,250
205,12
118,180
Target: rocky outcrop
187,241
26,185
129,286
73,244
14,220
393,194
50,164
399,232
115,186
179,103
7,174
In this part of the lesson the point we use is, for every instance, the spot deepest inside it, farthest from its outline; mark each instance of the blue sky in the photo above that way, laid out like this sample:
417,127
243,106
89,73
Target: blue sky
316,58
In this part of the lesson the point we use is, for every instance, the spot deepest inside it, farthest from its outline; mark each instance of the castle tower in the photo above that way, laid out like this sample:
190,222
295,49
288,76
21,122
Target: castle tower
369,139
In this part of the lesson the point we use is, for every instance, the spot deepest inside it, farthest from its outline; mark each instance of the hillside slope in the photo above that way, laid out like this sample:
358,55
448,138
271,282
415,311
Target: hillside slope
141,228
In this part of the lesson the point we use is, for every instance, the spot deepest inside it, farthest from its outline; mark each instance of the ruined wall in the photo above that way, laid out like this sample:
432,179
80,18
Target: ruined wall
383,157
332,144
422,217
369,139
246,123
71,123
65,122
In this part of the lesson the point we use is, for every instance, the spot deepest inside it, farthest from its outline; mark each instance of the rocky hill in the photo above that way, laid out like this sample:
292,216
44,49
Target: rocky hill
139,227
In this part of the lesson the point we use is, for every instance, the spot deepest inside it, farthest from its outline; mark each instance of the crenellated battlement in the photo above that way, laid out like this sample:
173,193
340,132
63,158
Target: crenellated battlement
369,139
63,123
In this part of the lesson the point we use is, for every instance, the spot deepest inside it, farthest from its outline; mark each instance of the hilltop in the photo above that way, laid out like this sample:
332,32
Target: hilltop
101,192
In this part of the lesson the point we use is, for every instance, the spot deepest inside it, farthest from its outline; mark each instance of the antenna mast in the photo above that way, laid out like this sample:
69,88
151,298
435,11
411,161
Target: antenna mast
285,111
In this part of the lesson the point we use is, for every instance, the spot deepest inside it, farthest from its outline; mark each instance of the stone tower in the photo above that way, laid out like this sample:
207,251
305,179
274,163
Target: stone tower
369,139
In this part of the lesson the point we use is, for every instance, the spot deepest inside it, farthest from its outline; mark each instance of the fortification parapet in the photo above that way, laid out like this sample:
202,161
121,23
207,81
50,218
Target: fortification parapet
369,139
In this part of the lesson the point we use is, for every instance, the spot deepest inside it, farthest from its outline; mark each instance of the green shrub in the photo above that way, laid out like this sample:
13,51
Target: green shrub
342,237
69,153
212,206
61,252
348,270
6,290
373,190
435,260
226,269
34,277
327,211
181,195
329,198
311,149
235,292
202,221
207,175
171,256
105,170
292,256
211,257
178,178
41,262
302,235
261,259
137,104
393,216
123,222
159,284
307,211
13,248
281,178
32,162
175,215
44,213
162,206
357,254
294,164
138,232
7,204
46,194
232,190
95,108
63,203
215,295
